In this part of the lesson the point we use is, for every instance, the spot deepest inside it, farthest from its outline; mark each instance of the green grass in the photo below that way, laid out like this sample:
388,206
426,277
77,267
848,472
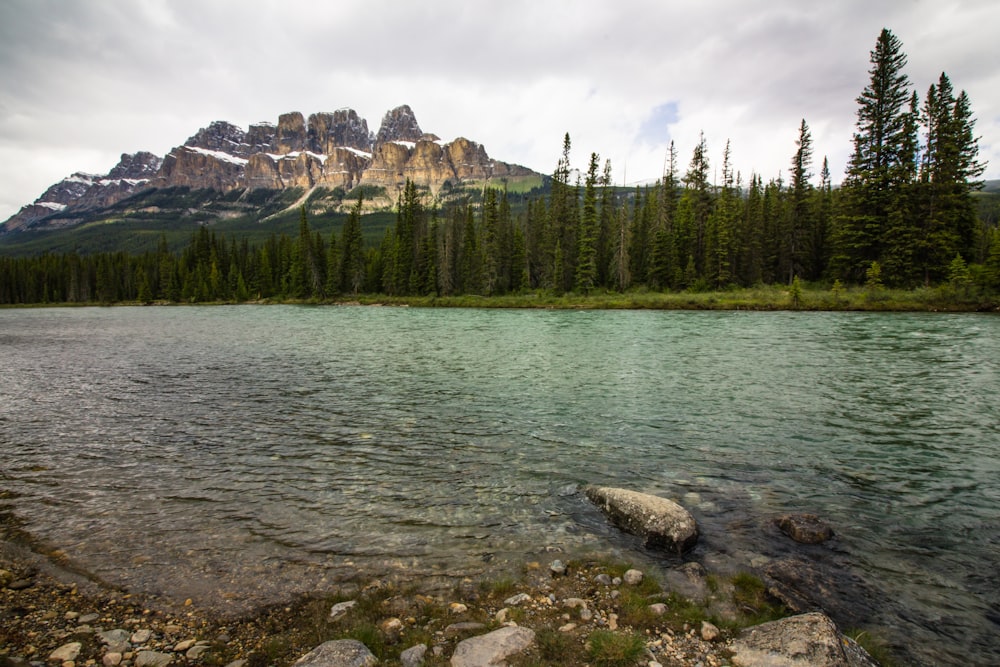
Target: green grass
771,298
615,649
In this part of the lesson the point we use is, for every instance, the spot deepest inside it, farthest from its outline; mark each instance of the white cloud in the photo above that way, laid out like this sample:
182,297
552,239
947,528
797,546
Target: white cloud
81,83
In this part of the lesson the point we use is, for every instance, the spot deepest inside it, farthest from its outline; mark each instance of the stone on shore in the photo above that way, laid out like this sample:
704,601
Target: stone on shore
66,652
663,523
152,659
413,656
807,640
804,528
492,649
341,608
338,653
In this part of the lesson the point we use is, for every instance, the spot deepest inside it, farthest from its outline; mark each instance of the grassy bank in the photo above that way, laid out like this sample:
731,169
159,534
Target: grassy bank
757,298
929,299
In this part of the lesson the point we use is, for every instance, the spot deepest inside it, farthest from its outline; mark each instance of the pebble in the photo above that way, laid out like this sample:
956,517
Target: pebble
573,603
141,636
569,627
617,581
413,656
21,584
709,632
501,616
557,568
152,659
340,609
458,628
113,636
515,600
612,621
196,651
603,579
391,626
111,659
180,647
658,608
586,615
88,618
457,608
633,577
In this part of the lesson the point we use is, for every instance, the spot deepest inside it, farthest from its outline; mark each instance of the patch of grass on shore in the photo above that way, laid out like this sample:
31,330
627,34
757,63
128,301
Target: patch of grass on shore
766,297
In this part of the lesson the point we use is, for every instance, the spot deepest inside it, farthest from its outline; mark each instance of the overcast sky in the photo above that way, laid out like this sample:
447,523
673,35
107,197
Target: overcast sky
82,82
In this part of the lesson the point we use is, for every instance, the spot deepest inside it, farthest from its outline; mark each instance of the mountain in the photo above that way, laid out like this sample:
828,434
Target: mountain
325,156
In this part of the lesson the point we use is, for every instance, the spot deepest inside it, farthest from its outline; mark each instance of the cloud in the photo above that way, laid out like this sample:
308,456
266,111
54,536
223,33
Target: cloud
82,82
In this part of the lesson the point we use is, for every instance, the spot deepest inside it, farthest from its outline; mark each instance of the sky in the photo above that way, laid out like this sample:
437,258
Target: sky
82,82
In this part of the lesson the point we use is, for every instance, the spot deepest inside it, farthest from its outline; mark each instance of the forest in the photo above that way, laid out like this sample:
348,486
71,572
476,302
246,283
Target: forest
905,215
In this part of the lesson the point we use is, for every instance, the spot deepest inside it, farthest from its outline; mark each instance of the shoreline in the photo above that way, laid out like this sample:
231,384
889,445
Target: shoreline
681,616
769,298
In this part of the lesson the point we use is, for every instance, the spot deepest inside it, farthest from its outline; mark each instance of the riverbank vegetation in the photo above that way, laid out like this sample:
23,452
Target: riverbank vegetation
902,232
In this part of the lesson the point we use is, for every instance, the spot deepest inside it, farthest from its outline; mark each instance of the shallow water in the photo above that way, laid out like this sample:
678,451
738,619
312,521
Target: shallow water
239,454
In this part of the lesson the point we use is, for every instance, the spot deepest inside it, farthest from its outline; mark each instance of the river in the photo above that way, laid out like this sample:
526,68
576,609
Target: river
238,455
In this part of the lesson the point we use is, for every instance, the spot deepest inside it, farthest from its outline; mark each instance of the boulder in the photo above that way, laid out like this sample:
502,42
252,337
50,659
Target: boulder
804,528
413,656
492,649
663,523
338,653
807,640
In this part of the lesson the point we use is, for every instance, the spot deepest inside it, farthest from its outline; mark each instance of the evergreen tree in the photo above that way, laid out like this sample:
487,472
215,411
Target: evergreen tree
879,163
352,263
799,221
586,255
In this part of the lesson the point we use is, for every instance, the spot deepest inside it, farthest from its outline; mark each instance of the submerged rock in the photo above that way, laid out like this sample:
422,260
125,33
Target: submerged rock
662,522
805,528
808,640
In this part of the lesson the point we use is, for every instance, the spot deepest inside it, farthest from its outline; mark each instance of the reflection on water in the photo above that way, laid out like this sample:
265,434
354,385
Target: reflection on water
236,455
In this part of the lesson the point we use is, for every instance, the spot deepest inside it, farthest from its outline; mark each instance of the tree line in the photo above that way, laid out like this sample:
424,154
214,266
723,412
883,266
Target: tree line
903,216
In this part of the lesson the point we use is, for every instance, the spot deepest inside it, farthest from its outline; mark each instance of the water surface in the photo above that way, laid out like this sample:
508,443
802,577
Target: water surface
237,455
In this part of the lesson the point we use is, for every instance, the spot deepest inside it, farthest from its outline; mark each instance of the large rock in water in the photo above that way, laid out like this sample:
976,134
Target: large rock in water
339,653
662,522
808,640
804,528
492,649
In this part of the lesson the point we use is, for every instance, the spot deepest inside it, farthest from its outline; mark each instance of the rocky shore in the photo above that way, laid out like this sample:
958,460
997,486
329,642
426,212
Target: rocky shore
557,611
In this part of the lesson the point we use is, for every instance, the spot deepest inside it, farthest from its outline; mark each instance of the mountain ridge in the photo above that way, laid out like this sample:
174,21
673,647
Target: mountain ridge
328,150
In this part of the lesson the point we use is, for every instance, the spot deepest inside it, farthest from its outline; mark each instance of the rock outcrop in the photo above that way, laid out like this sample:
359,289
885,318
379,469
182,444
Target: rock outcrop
663,523
808,640
330,149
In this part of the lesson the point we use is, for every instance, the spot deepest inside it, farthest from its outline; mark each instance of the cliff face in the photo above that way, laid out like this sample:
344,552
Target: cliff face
329,149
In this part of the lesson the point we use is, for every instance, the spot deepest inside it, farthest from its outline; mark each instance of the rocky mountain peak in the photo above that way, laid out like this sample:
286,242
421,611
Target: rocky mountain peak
343,128
220,136
136,166
291,134
400,124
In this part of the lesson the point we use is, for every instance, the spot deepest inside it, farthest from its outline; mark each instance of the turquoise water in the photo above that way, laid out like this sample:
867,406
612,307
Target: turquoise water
239,454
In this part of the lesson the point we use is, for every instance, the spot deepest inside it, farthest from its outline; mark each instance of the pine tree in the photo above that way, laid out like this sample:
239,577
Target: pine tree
586,255
799,221
878,164
352,263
